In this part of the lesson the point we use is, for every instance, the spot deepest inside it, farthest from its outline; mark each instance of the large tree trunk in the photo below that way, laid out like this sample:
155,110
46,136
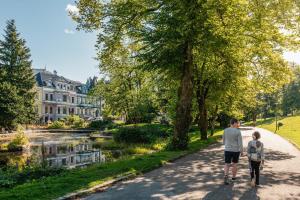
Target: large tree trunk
183,108
201,94
254,116
213,121
203,120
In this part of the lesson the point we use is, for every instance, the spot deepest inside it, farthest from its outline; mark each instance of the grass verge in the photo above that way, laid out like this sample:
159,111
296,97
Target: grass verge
290,129
78,179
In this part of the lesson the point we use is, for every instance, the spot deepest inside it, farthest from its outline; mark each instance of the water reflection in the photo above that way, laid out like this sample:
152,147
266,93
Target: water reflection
68,154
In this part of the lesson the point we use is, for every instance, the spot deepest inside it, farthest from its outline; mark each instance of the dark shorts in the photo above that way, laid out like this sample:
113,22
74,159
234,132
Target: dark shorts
231,157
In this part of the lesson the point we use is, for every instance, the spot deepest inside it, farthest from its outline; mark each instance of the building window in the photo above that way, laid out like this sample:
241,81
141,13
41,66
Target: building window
72,159
46,109
64,110
73,99
51,97
50,150
51,110
60,86
46,97
58,110
64,161
64,98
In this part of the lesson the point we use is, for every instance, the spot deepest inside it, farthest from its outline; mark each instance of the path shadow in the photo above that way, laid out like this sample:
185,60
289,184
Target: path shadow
200,174
271,155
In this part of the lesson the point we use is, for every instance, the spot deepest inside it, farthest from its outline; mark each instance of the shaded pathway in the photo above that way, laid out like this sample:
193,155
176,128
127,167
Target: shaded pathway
200,176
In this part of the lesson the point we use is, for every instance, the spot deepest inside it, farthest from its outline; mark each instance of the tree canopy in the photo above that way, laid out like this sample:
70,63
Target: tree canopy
211,48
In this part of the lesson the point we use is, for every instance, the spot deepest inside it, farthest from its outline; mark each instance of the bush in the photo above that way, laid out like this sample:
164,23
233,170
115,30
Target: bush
74,121
143,133
10,177
103,124
57,125
107,144
137,150
19,140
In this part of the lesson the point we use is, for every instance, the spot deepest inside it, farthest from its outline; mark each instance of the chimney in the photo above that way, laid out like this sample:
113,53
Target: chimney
55,72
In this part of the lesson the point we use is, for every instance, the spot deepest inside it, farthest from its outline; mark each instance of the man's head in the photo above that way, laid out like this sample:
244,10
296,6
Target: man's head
234,123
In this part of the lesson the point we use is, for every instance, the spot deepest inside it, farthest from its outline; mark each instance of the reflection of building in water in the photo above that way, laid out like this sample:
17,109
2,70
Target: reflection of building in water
70,155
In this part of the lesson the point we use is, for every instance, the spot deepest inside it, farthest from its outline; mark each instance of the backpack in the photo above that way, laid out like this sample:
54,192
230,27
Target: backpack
255,151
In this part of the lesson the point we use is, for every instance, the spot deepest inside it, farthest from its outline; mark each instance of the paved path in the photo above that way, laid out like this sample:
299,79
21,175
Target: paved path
200,176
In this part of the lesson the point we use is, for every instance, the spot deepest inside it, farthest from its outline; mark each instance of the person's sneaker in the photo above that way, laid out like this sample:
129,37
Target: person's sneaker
258,186
226,180
253,183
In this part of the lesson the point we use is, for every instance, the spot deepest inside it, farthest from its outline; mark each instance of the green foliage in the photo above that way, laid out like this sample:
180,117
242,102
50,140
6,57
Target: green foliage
57,125
142,133
291,94
74,121
9,105
11,177
231,63
103,124
18,141
16,78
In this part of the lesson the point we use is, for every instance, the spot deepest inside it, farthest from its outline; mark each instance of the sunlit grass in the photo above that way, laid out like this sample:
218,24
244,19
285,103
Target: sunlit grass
290,129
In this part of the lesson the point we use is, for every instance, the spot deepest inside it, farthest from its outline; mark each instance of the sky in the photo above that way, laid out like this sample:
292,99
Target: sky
51,36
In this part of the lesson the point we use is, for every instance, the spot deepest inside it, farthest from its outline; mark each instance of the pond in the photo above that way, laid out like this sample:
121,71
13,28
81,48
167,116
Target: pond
55,149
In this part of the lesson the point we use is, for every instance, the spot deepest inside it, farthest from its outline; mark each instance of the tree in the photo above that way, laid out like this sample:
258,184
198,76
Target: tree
15,70
9,105
173,35
291,94
128,91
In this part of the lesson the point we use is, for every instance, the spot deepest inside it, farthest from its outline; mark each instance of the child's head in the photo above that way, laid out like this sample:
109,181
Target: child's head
256,135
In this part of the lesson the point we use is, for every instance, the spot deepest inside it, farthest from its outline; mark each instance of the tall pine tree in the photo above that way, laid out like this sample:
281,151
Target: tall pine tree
16,72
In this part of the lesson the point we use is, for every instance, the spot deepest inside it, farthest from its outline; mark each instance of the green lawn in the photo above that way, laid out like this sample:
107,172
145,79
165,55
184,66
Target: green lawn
290,129
73,180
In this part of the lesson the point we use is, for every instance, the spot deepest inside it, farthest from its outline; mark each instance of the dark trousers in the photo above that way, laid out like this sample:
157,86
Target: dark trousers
255,170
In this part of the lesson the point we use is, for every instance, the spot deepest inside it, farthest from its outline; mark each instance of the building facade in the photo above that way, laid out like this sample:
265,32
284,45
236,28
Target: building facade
57,97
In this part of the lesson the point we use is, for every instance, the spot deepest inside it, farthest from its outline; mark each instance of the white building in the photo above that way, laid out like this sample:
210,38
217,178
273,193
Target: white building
59,97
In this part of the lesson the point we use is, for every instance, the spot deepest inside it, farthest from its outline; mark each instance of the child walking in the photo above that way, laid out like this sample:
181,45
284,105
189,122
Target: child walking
255,153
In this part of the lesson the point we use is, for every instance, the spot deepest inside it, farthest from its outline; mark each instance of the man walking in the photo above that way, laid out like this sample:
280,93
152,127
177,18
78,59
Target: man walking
232,139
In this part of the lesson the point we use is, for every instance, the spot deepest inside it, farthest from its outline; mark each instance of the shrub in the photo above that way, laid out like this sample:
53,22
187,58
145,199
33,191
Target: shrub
19,140
10,177
57,125
142,133
137,150
107,144
74,121
103,124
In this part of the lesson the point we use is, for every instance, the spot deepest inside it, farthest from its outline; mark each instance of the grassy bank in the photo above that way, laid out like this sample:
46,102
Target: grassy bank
290,129
73,180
